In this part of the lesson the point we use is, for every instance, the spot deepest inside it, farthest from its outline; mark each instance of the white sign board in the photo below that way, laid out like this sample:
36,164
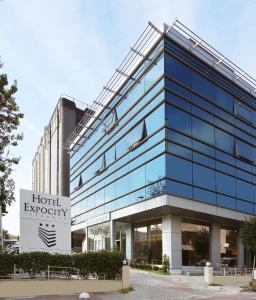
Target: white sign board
45,222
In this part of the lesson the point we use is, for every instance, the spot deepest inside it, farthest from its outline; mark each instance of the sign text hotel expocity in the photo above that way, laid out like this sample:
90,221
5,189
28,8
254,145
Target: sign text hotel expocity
45,206
45,222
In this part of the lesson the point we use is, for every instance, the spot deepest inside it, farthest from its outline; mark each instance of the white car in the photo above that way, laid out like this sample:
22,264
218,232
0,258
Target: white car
13,249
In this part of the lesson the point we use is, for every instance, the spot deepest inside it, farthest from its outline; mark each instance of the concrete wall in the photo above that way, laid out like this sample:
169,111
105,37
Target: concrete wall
30,288
50,166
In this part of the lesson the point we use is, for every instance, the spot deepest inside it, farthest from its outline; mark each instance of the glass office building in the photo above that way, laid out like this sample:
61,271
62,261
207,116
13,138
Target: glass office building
164,160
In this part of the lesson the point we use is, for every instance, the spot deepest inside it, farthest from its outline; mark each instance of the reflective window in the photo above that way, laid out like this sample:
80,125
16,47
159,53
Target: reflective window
202,102
179,120
177,88
99,197
110,155
223,98
137,135
133,95
178,189
225,168
202,85
203,177
225,184
177,70
244,151
111,122
204,196
224,125
122,202
203,159
137,196
245,207
155,120
121,186
244,165
99,237
174,99
243,112
110,192
225,157
203,148
244,190
155,243
195,244
202,131
156,189
137,178
244,136
179,169
226,201
103,165
90,201
179,138
155,169
228,246
108,207
179,150
228,117
243,175
141,243
224,141
203,114
154,73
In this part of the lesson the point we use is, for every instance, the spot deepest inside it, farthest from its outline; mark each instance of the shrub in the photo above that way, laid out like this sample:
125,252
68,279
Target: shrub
7,262
165,264
103,264
155,268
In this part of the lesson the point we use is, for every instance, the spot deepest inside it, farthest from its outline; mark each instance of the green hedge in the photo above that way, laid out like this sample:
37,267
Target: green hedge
102,264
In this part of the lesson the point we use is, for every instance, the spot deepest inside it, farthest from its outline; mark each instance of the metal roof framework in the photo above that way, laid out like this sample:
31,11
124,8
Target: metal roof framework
138,52
186,37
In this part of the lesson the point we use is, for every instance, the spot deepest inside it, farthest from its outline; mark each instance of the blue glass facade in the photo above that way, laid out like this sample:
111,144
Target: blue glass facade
180,128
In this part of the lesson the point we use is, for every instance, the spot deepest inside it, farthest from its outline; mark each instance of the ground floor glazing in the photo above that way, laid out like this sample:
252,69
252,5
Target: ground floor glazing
186,242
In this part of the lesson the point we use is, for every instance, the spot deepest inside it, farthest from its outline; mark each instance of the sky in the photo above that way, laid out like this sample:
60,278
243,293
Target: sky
73,46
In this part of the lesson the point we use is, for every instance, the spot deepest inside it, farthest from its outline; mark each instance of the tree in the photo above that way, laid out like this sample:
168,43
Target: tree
9,122
248,237
6,235
200,243
156,189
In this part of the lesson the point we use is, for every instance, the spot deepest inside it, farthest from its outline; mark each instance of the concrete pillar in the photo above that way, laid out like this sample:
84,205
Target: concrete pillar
208,275
129,241
171,240
240,250
126,277
112,235
215,255
85,241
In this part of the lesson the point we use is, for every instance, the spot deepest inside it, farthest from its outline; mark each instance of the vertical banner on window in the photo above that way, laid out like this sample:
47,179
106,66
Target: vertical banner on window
45,222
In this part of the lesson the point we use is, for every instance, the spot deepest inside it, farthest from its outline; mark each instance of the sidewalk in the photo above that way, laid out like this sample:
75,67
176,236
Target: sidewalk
150,286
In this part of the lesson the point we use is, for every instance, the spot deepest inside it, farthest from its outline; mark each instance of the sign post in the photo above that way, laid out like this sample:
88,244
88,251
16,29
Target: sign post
45,222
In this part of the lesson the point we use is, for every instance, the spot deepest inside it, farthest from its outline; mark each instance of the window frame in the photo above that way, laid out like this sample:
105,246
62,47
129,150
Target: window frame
238,104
